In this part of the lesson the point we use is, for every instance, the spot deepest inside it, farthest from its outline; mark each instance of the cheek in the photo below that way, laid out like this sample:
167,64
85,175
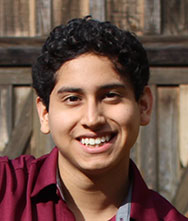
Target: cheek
125,115
61,122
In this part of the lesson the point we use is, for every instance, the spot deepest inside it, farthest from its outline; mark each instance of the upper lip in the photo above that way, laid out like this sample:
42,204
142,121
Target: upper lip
94,135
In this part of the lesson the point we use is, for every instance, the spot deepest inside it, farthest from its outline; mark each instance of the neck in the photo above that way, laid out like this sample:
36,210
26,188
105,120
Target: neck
89,195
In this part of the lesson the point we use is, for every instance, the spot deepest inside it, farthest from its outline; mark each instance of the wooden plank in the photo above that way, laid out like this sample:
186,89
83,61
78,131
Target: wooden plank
57,9
20,94
5,114
148,148
126,14
180,200
84,8
168,157
97,9
7,22
19,51
183,127
160,50
169,75
14,18
43,17
15,76
175,17
75,9
32,17
167,55
152,16
17,144
19,56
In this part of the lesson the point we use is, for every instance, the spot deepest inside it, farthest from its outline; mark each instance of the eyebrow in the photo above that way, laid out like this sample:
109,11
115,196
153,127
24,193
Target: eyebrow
80,90
69,89
113,86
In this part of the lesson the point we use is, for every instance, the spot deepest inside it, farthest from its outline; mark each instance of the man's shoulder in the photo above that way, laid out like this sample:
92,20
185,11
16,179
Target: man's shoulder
164,208
23,162
147,204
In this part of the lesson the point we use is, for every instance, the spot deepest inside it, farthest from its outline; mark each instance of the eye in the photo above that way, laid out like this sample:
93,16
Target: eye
112,97
72,100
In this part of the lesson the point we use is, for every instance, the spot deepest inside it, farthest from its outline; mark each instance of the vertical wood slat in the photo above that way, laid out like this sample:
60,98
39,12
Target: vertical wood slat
126,14
168,141
175,17
21,133
20,93
84,7
5,114
180,200
14,16
32,17
148,148
69,9
97,9
57,12
43,17
152,17
183,127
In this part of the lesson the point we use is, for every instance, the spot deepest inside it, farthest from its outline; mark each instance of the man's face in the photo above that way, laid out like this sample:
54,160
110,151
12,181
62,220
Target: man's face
93,116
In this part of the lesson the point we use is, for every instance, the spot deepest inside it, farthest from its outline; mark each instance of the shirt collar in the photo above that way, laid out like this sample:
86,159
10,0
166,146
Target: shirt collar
45,167
140,193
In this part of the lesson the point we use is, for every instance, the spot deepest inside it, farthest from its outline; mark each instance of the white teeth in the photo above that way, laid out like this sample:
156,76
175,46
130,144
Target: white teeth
86,141
102,139
95,141
107,138
92,141
98,141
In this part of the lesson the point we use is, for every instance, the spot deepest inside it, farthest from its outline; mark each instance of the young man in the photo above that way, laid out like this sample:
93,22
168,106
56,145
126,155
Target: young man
91,79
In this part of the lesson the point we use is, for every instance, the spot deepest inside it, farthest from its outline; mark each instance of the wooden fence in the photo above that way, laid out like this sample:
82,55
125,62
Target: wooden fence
161,151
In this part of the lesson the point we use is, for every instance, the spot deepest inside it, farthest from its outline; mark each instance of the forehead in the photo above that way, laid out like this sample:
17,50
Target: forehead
89,69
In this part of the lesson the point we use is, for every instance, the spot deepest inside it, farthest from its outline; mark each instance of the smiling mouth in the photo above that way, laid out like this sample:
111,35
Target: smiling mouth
97,141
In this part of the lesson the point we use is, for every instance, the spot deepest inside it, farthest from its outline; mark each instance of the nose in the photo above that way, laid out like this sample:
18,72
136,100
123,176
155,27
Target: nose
93,116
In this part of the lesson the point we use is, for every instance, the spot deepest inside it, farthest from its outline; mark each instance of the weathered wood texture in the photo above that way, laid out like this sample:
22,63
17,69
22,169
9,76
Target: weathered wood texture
38,17
128,14
43,15
183,124
97,9
5,116
14,18
64,10
152,17
180,200
161,50
168,140
21,132
174,17
169,75
15,76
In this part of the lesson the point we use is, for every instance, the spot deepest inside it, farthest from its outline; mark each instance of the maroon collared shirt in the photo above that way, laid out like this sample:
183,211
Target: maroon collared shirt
28,192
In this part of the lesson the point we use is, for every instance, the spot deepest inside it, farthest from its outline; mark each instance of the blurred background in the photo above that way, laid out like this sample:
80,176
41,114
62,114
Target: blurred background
161,151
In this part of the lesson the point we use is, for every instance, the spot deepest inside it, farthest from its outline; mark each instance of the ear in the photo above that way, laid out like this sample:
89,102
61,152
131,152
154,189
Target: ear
43,116
145,104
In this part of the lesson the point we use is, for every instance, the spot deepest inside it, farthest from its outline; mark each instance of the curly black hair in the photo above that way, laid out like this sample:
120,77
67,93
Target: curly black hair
86,35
